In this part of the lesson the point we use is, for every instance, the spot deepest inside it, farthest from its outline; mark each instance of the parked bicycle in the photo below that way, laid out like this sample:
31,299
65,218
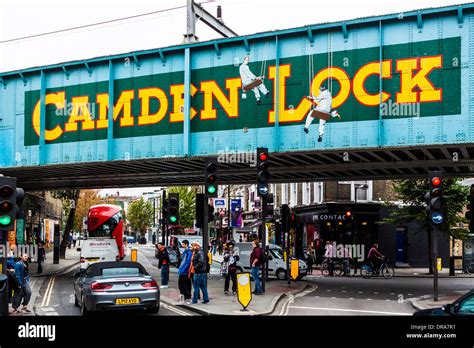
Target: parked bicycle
367,270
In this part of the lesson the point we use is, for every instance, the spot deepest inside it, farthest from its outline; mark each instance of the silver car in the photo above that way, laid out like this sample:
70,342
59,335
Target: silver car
116,286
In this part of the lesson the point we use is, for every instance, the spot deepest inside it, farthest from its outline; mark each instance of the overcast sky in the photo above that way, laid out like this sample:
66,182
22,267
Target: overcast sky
21,18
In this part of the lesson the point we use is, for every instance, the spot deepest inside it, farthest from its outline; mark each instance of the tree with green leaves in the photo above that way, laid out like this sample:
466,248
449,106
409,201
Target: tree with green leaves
69,200
412,194
187,204
140,215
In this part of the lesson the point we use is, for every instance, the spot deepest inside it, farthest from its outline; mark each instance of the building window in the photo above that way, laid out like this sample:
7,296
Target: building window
284,193
293,194
318,192
363,195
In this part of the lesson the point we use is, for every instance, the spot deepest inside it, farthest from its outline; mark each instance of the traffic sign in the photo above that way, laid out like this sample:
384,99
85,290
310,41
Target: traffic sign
220,203
295,268
244,293
437,218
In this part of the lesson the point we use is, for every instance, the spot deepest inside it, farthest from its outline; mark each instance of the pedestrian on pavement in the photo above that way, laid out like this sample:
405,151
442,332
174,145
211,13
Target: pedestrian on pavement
214,246
220,246
41,256
74,239
256,258
24,294
200,269
310,259
69,241
184,279
230,261
163,264
329,255
13,285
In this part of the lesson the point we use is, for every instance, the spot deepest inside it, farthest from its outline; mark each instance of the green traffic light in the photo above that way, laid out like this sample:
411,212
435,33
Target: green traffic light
211,189
173,218
5,220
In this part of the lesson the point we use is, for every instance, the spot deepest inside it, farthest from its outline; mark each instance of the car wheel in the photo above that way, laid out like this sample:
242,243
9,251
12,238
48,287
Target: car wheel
153,310
281,274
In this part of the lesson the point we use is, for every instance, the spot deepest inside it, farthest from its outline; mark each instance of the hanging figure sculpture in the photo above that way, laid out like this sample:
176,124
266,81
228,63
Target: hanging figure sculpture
251,82
322,109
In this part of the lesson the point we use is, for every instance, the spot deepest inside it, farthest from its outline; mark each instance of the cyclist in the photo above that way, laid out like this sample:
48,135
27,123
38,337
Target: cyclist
375,257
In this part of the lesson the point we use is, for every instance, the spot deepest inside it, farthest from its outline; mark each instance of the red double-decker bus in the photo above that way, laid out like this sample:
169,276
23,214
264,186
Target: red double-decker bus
105,221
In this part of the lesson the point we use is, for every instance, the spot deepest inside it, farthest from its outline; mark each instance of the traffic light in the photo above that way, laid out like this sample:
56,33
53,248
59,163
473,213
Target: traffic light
285,217
270,204
434,198
164,210
173,208
211,175
469,214
210,210
8,203
292,220
263,176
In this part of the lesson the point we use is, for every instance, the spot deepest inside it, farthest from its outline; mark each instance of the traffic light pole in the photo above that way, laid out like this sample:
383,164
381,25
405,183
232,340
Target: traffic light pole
264,240
435,263
205,227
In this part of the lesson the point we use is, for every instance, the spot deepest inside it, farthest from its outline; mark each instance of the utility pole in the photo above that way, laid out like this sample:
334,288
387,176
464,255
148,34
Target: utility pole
195,12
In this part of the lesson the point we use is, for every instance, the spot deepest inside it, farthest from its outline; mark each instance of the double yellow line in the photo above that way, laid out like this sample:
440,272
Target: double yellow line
48,292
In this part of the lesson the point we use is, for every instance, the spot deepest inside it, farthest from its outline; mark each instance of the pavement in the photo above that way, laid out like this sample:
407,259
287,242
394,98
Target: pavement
220,304
427,302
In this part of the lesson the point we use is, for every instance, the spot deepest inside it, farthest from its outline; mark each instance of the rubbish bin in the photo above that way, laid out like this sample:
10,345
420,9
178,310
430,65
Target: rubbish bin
3,294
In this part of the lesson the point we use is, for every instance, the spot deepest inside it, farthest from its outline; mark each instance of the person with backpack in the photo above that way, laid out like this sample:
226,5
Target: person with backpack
256,258
200,268
184,280
164,265
23,279
230,265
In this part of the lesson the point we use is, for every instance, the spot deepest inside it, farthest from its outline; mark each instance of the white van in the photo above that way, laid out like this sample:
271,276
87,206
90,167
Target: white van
98,250
276,263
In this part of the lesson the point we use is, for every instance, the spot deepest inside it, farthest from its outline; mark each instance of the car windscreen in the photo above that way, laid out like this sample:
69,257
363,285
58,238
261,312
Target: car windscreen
277,253
121,272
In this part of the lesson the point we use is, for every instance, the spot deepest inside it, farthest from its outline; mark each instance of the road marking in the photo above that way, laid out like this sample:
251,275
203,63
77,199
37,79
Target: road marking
343,291
48,309
359,292
46,292
50,291
349,310
178,311
291,299
376,293
369,299
351,298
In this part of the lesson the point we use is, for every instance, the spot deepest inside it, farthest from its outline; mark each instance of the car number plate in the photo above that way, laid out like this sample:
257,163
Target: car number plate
126,301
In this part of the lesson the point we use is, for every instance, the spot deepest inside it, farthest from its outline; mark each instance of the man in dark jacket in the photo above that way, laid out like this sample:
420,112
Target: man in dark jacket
184,279
163,264
256,262
200,269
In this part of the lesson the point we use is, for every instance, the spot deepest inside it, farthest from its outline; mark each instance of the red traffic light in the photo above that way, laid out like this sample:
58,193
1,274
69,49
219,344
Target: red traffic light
263,156
348,213
6,191
436,181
